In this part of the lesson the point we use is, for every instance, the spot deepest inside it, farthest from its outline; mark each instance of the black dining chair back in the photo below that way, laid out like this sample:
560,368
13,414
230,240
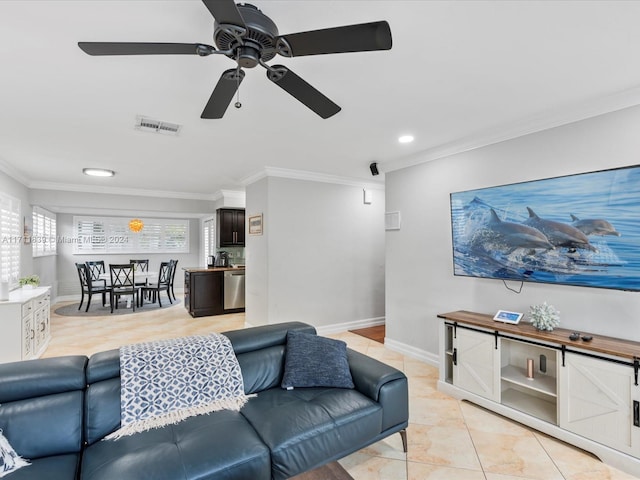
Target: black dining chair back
123,282
163,283
97,268
88,286
174,267
140,265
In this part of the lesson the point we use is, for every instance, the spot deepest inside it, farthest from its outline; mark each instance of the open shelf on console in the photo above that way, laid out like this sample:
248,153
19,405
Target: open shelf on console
535,396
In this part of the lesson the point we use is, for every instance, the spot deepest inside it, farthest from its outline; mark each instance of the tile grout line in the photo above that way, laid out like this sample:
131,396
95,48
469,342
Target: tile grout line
484,473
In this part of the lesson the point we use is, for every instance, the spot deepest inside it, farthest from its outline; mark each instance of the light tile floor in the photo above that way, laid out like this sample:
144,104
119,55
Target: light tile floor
448,439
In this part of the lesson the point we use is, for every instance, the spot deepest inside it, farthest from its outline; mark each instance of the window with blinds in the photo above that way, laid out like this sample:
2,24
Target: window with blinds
43,238
209,239
105,235
11,239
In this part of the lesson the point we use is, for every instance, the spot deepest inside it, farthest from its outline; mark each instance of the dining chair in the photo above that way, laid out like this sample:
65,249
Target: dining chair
141,266
174,267
123,282
163,284
88,287
97,268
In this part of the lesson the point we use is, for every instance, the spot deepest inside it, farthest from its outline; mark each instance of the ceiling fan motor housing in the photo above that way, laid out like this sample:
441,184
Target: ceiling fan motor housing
261,35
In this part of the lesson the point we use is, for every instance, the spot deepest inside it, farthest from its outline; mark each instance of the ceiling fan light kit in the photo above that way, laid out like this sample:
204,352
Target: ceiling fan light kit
247,36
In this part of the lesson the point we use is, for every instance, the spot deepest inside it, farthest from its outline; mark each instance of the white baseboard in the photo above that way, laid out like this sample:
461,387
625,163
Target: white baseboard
343,327
413,352
66,298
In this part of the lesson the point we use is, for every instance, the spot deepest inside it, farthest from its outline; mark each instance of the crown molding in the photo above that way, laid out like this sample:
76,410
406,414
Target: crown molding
12,172
311,177
68,187
532,124
123,212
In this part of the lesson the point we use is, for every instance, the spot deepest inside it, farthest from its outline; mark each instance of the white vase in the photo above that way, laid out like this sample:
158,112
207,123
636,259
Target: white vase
27,287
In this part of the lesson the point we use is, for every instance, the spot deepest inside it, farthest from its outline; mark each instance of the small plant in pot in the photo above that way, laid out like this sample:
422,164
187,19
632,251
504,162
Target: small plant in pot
544,317
30,281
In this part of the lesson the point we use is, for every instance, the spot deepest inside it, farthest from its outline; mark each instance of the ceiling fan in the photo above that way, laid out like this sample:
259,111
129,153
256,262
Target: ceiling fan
250,38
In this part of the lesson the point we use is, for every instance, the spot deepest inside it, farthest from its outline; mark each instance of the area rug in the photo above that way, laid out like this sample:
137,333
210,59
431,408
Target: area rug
97,310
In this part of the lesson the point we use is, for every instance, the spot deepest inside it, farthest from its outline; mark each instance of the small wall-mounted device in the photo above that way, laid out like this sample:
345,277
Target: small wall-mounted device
368,196
374,168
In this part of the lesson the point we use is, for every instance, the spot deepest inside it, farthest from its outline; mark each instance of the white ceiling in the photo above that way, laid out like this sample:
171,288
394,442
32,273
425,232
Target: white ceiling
459,74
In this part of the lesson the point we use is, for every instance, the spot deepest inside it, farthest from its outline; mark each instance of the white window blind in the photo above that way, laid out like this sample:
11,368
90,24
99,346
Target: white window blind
209,238
43,239
11,239
104,235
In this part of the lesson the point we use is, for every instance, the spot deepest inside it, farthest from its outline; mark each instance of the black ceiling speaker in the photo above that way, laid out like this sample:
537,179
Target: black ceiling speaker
250,38
374,169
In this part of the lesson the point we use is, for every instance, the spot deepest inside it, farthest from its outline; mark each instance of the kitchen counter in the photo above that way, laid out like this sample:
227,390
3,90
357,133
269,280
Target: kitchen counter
213,291
214,269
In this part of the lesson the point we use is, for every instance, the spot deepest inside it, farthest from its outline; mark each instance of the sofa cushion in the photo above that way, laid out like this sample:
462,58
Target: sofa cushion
313,361
306,428
262,369
256,338
221,446
58,467
35,378
41,403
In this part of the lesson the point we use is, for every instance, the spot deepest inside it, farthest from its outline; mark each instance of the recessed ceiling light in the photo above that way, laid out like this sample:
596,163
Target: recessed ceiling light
405,139
98,172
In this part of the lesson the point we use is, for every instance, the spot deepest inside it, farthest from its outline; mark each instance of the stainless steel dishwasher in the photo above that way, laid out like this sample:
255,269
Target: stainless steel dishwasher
233,289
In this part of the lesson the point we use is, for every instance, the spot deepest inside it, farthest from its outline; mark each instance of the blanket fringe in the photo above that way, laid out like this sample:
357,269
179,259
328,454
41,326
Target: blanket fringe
177,416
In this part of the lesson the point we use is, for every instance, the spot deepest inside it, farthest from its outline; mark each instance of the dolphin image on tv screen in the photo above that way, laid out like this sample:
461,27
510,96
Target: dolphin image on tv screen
594,226
508,236
559,234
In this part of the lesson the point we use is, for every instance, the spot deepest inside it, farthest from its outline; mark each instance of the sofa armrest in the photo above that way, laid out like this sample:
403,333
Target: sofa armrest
384,384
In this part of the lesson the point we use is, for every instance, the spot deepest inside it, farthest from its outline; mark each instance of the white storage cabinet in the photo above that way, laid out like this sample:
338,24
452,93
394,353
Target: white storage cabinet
26,327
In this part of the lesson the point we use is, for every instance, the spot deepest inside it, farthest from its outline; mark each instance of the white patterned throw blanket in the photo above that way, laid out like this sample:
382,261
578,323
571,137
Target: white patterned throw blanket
167,381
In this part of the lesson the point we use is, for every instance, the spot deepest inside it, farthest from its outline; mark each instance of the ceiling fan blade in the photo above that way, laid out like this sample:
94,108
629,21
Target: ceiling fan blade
363,37
302,91
225,11
135,48
223,93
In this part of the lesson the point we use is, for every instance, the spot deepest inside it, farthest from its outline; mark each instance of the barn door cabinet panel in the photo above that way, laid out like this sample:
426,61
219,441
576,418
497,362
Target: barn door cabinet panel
475,369
584,393
599,404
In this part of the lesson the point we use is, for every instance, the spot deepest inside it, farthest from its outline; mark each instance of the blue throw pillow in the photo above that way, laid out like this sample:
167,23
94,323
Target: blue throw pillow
314,361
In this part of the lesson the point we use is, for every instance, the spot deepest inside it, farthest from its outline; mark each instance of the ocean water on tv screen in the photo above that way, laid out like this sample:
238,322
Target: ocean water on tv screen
604,206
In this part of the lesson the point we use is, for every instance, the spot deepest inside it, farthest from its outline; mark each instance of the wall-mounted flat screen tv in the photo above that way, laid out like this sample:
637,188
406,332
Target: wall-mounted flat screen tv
581,229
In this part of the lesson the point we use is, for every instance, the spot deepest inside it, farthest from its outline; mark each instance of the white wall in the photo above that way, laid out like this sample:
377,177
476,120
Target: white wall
257,256
15,189
321,257
419,267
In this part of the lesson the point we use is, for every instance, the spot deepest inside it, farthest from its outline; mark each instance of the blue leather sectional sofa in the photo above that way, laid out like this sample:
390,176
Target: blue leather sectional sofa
56,412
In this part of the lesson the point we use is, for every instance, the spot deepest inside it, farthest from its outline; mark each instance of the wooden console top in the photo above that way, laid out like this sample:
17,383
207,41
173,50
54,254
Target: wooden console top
600,343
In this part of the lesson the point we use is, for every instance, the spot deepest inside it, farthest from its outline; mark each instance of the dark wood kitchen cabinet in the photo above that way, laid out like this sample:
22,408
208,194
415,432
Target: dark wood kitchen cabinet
204,293
230,228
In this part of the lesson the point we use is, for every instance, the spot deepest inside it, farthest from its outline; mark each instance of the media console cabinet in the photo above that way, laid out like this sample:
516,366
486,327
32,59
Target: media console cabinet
585,393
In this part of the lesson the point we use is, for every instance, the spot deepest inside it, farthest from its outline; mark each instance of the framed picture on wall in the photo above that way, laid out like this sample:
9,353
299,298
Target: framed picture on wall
255,224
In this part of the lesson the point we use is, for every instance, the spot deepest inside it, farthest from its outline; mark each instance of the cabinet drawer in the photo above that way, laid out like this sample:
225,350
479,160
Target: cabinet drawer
27,308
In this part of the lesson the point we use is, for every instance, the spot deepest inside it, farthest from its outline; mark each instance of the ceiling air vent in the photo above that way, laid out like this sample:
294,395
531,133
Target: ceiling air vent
150,125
